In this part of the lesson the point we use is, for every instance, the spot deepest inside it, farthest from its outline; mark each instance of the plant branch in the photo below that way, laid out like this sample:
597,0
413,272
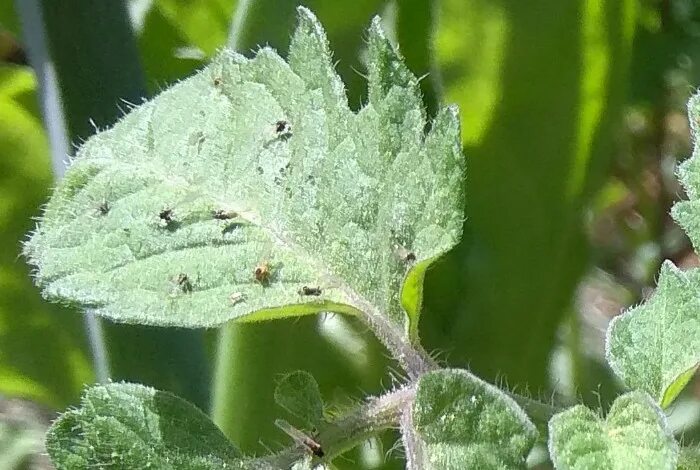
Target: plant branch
339,436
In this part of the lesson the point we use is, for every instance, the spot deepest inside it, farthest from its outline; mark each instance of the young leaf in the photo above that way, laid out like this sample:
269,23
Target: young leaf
464,422
634,435
299,394
251,191
131,426
656,345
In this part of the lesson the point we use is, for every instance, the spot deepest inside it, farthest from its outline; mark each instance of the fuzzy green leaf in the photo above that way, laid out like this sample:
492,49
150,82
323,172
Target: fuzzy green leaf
132,426
298,393
259,165
634,435
464,422
656,345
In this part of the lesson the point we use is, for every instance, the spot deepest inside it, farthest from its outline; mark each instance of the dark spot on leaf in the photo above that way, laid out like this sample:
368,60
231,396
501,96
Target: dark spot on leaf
260,170
217,81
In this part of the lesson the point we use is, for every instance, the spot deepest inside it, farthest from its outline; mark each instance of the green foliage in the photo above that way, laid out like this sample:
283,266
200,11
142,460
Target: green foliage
18,444
132,426
298,393
254,191
655,346
51,372
464,422
540,96
175,37
633,435
652,347
193,222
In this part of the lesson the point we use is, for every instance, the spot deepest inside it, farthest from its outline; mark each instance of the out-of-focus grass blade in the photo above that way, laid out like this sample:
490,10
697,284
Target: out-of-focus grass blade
540,90
50,372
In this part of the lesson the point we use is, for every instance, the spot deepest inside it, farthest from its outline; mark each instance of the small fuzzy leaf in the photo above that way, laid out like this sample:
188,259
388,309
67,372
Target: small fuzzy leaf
132,426
299,394
634,435
656,345
464,422
251,191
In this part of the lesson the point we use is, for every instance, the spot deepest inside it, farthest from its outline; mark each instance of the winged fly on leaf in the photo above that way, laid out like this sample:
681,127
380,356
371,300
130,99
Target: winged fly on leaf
300,438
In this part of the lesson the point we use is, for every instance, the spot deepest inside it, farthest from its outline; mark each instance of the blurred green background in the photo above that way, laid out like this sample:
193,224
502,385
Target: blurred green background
573,117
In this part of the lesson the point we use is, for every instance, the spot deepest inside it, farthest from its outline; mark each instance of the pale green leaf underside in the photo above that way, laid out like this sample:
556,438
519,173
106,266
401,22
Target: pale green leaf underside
633,436
132,426
464,422
329,198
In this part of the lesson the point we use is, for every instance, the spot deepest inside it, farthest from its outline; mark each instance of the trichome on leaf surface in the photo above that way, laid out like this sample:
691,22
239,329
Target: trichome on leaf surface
252,192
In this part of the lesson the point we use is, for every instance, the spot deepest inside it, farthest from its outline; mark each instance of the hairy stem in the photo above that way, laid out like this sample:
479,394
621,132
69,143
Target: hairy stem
339,436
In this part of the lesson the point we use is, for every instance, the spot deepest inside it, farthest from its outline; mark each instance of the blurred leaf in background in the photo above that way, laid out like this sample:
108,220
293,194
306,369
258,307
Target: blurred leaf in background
541,92
43,351
176,37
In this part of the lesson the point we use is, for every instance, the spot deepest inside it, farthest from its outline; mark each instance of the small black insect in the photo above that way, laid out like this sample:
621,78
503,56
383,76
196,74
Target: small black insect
183,281
217,81
306,290
166,215
224,215
283,129
405,255
281,126
103,208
